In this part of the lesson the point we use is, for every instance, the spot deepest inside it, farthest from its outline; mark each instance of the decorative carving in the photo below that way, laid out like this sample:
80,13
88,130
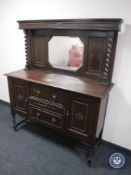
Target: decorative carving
79,116
27,47
49,106
95,55
38,92
108,59
20,97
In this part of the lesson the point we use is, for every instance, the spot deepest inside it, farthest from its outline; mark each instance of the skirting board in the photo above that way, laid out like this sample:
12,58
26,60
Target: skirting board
4,102
104,142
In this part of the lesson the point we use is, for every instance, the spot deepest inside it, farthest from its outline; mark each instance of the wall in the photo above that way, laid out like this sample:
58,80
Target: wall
118,118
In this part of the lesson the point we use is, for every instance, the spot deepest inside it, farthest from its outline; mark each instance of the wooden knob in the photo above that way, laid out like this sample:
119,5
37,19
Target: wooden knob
54,96
37,114
38,92
67,113
53,120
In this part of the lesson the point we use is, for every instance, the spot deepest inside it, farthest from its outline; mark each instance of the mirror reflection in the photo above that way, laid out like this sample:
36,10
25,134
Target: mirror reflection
66,52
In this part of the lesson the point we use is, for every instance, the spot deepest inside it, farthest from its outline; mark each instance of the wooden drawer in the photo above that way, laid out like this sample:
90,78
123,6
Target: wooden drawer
45,117
47,105
47,93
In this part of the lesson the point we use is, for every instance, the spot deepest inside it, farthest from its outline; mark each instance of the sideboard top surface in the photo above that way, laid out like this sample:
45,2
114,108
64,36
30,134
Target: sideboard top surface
70,83
83,24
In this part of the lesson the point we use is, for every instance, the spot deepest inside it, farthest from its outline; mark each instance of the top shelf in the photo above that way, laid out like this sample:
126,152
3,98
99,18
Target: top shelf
107,24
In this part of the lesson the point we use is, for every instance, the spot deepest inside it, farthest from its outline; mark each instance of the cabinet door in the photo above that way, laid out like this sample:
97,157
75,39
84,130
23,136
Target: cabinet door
83,113
18,95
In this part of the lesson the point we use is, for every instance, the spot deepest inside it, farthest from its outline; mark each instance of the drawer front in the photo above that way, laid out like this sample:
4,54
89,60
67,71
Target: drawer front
45,117
47,93
47,105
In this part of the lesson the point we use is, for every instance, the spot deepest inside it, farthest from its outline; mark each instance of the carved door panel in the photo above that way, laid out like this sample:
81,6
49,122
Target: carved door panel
19,96
79,113
83,113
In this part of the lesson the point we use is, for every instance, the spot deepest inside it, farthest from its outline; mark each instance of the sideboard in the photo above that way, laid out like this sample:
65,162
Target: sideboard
66,93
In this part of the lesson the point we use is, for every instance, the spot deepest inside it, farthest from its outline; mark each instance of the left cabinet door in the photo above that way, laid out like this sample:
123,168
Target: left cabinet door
19,92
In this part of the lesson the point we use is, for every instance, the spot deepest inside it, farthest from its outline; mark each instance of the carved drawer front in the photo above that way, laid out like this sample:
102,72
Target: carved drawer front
47,93
45,117
79,117
47,105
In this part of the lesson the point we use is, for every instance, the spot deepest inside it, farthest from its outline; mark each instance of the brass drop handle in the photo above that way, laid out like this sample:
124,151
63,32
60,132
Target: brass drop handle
53,120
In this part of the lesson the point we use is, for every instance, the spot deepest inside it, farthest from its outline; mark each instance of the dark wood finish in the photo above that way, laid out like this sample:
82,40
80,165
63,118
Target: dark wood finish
45,117
71,102
99,37
85,24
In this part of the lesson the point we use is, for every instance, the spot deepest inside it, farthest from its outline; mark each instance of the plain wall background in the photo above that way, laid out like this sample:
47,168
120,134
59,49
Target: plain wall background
117,126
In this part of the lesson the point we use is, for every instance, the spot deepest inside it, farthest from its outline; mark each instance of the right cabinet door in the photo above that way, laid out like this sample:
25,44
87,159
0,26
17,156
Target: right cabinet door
82,116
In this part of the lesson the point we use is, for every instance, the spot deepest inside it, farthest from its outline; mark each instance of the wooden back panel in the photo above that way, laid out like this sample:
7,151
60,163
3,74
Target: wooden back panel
99,37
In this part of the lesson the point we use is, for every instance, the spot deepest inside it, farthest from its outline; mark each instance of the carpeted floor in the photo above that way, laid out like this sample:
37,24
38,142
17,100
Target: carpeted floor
36,151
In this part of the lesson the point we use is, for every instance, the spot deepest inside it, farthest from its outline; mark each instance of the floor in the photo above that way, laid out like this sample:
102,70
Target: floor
33,150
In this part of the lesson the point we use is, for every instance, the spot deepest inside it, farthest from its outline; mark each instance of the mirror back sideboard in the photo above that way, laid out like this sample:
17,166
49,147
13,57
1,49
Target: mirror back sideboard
72,101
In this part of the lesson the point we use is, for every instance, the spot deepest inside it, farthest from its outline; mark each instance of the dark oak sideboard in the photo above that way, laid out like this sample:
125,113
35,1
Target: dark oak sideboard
71,102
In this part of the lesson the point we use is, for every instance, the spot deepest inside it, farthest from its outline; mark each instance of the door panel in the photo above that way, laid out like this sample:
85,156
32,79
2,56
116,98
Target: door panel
79,116
19,96
83,113
20,93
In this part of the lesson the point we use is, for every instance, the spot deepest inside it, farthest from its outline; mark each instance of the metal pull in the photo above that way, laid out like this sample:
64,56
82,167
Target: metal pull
53,120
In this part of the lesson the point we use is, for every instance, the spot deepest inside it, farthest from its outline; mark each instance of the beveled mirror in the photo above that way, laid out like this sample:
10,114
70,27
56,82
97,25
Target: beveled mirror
66,52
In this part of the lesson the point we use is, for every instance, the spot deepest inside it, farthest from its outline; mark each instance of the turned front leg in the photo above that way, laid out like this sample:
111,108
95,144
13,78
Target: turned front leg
13,113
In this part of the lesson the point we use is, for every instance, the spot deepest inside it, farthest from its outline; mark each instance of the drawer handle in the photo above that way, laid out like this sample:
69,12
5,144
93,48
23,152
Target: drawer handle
67,113
38,92
53,120
38,114
54,96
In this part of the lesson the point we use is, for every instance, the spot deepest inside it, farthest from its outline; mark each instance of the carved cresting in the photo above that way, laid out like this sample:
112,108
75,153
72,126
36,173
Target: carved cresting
27,48
108,59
